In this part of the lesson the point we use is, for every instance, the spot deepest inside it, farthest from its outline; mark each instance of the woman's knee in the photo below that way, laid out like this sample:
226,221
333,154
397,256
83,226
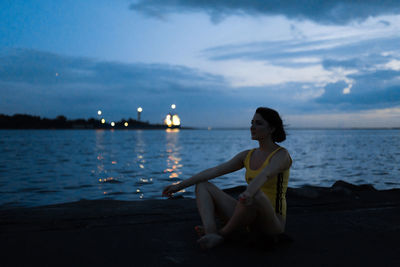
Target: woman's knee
202,186
258,196
261,200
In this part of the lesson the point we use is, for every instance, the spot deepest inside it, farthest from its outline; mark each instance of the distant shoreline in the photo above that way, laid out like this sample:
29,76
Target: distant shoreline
29,122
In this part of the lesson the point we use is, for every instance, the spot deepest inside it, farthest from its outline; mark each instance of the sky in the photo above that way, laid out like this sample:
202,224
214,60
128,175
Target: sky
318,63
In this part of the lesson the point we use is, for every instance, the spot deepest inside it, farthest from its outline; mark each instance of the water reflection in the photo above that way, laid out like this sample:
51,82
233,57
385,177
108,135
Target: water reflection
140,160
110,180
100,163
140,146
173,155
172,130
100,153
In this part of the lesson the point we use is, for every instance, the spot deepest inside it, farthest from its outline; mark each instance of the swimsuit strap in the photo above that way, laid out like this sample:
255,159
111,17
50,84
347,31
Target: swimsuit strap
273,153
266,161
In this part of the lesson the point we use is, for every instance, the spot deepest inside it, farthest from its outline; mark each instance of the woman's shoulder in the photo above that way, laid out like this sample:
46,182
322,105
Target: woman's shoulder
283,154
243,154
282,149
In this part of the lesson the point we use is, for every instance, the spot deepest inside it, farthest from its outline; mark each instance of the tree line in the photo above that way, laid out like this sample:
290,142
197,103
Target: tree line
24,121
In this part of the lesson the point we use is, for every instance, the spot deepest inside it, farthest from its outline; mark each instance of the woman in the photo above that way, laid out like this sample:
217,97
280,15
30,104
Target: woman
262,206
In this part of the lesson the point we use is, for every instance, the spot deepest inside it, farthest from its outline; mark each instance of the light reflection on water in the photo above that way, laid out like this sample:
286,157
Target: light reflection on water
173,156
54,166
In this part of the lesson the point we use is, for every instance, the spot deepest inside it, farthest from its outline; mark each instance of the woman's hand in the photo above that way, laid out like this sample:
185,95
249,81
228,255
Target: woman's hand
170,189
245,198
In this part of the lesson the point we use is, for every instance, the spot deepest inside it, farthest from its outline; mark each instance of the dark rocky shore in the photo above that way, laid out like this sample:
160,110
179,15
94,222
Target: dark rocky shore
344,225
24,121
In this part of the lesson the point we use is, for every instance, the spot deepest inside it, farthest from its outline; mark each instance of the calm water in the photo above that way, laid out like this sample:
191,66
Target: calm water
39,167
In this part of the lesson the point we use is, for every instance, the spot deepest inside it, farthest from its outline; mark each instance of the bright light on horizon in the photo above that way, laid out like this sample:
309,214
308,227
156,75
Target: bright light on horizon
126,124
99,112
139,109
103,121
112,124
173,106
176,121
173,120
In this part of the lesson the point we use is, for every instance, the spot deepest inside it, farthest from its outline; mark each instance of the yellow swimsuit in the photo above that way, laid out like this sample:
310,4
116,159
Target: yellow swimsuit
275,187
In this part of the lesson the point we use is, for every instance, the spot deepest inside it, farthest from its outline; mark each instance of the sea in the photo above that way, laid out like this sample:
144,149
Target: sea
43,167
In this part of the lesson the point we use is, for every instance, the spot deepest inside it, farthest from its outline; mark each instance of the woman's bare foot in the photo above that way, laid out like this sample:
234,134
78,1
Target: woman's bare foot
199,230
210,240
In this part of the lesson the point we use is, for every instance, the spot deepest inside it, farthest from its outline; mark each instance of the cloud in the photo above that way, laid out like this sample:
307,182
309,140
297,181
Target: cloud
42,68
47,84
384,22
324,12
380,89
285,52
355,73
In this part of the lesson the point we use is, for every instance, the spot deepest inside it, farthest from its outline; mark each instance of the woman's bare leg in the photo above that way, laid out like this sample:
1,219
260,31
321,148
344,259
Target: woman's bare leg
242,216
211,200
260,213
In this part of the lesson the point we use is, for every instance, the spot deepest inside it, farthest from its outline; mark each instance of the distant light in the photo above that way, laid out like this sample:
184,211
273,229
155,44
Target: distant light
176,121
112,124
173,106
139,109
168,120
57,74
99,112
126,124
209,128
103,121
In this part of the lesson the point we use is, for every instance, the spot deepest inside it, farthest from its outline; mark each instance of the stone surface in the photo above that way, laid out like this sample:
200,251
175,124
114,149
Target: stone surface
325,227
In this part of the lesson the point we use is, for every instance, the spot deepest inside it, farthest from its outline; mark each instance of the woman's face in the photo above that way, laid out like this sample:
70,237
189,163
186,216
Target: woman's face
260,129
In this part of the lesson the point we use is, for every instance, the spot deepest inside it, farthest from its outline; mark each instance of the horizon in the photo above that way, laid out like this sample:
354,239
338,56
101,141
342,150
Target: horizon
320,65
287,127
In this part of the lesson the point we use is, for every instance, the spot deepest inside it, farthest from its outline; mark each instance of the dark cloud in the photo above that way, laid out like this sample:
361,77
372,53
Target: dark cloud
376,89
384,22
42,68
381,98
326,12
49,84
346,64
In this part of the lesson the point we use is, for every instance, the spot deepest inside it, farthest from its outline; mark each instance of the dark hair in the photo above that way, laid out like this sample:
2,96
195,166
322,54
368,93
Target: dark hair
275,121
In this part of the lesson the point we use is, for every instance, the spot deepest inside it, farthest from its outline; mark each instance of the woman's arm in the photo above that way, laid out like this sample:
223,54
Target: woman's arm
236,163
279,162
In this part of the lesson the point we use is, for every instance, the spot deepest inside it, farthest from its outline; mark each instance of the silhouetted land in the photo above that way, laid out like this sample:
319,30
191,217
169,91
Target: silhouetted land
23,121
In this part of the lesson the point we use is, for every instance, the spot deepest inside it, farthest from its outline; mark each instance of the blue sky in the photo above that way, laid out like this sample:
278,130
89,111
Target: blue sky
319,63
